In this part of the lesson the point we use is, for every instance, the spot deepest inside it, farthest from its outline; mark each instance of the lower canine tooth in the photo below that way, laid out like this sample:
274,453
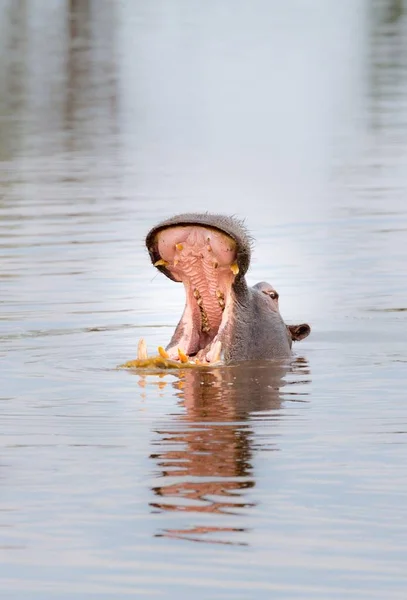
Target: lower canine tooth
216,351
142,350
179,247
162,352
182,356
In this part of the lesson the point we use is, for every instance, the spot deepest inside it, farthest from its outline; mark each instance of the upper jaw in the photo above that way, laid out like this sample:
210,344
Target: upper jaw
231,227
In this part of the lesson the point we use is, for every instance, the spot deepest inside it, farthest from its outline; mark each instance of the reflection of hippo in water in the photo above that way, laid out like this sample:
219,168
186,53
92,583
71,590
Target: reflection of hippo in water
223,316
205,453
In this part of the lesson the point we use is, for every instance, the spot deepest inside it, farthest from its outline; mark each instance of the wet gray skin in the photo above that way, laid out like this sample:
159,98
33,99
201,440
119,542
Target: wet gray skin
247,324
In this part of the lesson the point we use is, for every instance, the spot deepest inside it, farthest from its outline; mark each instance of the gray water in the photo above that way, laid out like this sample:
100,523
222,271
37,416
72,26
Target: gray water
252,482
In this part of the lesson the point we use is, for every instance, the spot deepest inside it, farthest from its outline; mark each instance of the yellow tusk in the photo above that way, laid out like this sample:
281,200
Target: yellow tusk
161,263
162,352
179,247
182,356
234,267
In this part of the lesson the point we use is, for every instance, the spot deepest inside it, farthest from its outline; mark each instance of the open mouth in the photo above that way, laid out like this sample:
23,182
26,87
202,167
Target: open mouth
224,320
204,259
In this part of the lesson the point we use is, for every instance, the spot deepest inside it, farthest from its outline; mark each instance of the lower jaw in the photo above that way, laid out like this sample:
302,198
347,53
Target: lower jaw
162,359
194,347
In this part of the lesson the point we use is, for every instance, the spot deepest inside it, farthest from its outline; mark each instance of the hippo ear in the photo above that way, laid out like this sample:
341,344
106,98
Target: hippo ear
299,332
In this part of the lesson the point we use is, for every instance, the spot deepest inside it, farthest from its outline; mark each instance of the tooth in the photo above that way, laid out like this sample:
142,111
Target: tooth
179,247
208,247
221,303
176,261
161,263
142,350
214,355
219,294
199,301
218,347
196,293
234,267
162,352
182,356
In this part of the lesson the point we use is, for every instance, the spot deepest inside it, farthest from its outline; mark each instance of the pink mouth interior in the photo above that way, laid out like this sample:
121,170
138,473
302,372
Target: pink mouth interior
204,260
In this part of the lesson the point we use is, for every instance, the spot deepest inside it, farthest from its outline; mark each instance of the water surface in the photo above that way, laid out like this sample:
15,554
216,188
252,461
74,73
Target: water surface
255,482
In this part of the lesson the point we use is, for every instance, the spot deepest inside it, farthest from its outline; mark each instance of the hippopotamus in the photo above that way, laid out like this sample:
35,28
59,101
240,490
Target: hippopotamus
224,319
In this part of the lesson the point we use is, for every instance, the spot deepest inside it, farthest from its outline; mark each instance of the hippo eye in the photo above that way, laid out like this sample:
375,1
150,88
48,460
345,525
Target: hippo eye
273,294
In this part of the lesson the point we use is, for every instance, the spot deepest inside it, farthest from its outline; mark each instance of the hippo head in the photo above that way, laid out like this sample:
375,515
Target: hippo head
223,318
